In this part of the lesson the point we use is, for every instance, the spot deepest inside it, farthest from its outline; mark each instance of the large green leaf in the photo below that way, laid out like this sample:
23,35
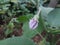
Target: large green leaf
53,19
17,41
45,11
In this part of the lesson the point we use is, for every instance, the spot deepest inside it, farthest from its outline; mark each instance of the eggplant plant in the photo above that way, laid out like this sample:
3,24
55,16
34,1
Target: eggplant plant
29,22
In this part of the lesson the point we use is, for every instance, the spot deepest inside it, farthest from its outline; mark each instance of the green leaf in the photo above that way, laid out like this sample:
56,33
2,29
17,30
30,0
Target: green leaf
53,19
24,18
8,31
10,25
9,28
17,41
46,10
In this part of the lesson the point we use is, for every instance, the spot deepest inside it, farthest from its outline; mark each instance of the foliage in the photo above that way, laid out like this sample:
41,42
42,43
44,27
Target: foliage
15,17
17,40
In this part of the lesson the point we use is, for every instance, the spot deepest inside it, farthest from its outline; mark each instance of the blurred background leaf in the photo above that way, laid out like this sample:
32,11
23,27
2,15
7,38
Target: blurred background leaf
17,41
